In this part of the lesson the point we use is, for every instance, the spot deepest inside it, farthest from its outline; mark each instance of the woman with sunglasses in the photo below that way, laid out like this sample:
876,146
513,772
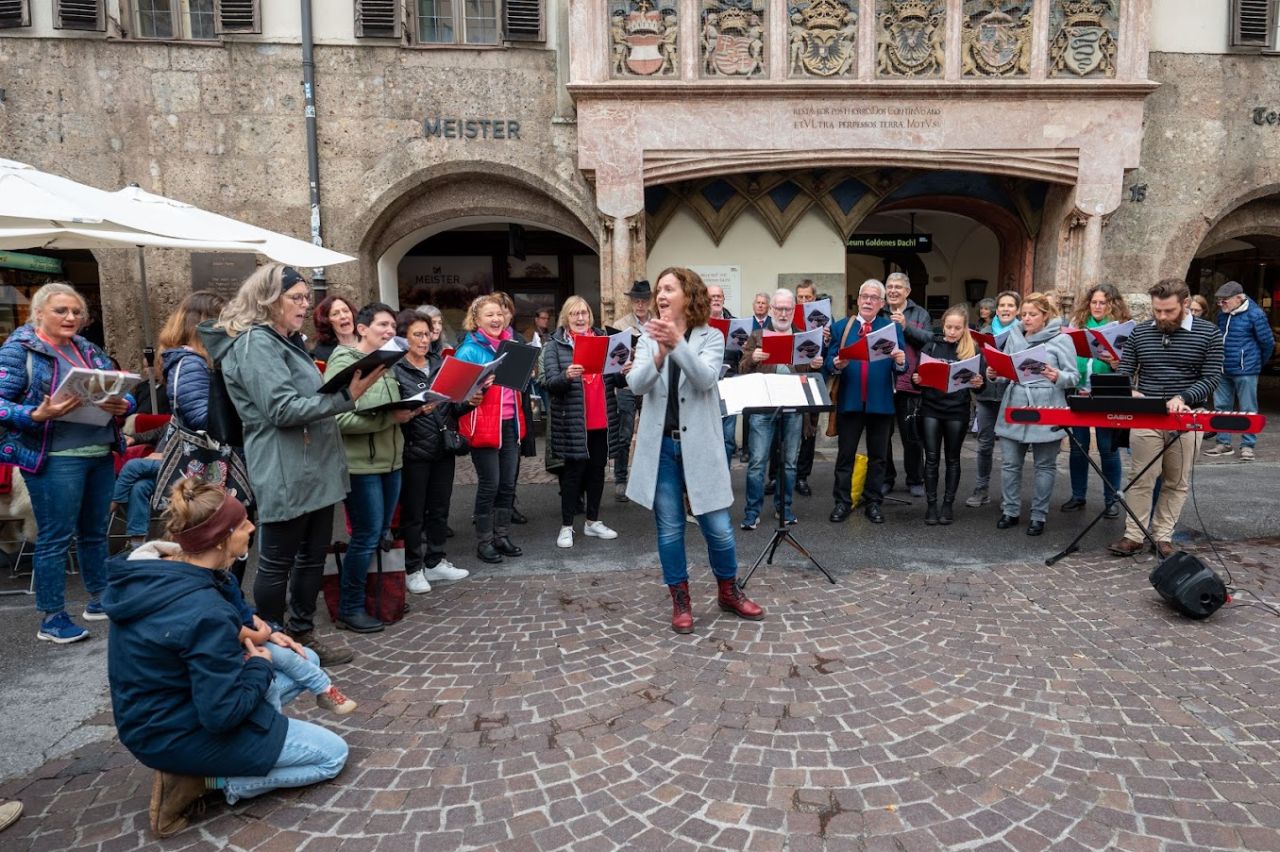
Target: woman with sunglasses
66,463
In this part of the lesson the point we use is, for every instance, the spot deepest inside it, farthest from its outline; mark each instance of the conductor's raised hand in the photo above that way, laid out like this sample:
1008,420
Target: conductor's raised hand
663,332
362,382
50,410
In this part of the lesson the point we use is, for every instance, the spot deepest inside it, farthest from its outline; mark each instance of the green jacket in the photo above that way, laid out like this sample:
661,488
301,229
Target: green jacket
291,441
374,442
1091,366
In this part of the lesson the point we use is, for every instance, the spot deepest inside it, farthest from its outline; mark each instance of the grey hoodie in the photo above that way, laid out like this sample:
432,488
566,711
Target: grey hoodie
292,445
1038,392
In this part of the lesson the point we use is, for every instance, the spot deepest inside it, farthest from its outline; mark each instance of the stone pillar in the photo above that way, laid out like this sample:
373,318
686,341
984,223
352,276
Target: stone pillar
620,279
1091,253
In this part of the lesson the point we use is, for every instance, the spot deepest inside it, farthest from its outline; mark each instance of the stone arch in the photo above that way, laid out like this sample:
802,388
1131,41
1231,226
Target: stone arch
1190,238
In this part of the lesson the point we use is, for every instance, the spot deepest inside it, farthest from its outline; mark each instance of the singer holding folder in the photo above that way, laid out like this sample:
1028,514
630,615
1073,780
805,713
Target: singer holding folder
680,444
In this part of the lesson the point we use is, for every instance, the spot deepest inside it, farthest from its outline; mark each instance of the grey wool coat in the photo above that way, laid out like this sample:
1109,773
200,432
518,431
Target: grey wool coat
1039,392
706,470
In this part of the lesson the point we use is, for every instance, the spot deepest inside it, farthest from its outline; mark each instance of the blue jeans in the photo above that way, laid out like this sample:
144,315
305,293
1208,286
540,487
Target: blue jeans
668,515
1237,393
370,505
761,426
730,425
294,675
1012,455
1108,454
986,417
134,487
311,754
71,498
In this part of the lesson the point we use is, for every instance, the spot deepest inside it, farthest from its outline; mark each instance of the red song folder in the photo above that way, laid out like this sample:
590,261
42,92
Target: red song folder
590,351
778,347
1000,362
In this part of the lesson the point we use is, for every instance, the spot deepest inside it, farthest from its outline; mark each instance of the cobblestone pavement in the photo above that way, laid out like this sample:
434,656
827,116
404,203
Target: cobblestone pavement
1016,707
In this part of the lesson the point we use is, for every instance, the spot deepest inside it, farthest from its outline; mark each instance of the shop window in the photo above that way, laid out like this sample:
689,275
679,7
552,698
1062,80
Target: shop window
1253,24
79,15
14,13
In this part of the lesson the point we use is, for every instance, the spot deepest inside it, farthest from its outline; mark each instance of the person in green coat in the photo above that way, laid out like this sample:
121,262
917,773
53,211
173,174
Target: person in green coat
1103,305
374,447
289,435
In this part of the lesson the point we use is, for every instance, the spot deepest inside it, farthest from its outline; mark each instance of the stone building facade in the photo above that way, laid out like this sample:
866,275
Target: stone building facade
1048,143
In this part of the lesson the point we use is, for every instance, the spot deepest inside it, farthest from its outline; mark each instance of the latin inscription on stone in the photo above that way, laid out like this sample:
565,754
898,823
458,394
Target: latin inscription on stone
1265,117
866,117
471,128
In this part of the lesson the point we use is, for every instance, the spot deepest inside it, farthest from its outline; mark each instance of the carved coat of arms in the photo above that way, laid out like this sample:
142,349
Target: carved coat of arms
823,39
644,40
1084,44
911,38
997,44
732,40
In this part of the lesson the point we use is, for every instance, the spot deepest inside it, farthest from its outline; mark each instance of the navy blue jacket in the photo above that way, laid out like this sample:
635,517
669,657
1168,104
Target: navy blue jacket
880,378
1247,341
185,699
187,386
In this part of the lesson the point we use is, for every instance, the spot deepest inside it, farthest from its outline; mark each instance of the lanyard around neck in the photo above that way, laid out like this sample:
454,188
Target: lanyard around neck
75,353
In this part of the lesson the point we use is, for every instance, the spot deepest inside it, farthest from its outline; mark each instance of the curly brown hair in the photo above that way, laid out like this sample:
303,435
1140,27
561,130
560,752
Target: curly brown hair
324,328
697,304
1117,308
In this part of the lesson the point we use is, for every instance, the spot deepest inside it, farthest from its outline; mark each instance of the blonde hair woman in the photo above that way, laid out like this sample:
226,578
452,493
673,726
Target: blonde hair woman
67,464
292,444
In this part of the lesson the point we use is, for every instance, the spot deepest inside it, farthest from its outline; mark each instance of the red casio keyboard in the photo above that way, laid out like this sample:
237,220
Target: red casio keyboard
1188,421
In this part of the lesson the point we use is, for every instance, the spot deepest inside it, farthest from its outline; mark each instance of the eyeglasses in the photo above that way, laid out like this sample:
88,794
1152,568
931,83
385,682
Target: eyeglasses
418,335
63,311
299,298
870,297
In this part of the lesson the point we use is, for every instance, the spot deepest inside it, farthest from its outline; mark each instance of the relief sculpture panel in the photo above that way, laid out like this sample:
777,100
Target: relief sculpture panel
1083,38
644,39
910,38
822,39
732,38
995,38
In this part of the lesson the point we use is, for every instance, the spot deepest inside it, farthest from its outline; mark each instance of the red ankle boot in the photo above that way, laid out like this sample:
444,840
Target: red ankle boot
731,599
681,609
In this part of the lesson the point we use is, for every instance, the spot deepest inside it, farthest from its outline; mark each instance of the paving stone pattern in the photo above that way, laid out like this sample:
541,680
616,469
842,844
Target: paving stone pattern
1019,707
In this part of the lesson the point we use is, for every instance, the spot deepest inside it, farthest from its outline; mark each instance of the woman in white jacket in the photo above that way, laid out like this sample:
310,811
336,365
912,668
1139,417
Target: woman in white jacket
679,444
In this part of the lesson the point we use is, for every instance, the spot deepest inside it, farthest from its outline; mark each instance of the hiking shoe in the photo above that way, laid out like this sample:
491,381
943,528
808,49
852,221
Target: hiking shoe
172,796
1246,454
93,611
597,529
445,572
1218,450
335,702
417,583
329,652
978,498
61,630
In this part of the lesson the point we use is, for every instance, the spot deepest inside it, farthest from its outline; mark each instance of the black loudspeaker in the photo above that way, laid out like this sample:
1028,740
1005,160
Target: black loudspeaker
1189,586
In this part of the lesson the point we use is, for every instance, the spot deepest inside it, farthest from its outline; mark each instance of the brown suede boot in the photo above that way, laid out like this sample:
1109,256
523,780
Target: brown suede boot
330,651
171,798
681,608
731,599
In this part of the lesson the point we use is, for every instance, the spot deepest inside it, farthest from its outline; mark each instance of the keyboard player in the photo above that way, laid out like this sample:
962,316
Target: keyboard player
1178,357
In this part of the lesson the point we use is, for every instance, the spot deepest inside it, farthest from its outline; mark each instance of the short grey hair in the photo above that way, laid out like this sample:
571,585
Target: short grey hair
899,276
873,283
764,296
783,291
57,288
428,312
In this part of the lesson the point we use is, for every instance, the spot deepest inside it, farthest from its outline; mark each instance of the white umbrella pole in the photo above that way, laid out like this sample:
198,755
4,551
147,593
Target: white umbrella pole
146,326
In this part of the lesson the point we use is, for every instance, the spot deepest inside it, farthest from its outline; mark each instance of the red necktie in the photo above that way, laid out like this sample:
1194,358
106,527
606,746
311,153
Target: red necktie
865,368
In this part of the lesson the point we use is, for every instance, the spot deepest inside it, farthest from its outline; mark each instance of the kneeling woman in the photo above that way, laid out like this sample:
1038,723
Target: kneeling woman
680,442
190,699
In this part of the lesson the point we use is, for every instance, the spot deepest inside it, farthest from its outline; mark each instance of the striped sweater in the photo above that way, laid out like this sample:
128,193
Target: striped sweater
1186,363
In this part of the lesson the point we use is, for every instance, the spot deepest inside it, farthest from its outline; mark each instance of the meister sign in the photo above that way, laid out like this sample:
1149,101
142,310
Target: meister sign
471,128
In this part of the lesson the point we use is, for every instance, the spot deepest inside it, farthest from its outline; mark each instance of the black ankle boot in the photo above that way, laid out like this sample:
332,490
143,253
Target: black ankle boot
931,513
947,514
504,545
486,552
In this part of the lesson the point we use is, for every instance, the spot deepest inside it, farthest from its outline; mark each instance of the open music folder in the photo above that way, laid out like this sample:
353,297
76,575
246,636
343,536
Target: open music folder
800,391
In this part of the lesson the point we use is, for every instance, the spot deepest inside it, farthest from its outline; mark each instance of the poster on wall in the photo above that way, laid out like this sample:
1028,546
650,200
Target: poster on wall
543,267
729,278
448,282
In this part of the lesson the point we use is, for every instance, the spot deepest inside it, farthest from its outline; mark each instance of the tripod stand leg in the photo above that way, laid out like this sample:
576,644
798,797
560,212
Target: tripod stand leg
791,540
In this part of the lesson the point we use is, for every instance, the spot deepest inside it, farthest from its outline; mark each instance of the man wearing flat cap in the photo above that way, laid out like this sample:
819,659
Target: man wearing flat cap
640,295
1247,344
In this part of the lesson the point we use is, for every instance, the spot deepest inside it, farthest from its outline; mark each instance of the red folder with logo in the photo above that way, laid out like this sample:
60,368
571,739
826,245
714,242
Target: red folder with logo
590,351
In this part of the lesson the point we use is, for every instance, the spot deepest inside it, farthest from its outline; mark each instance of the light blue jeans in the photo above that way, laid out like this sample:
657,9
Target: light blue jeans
134,486
311,754
1012,455
668,514
761,426
294,675
1237,393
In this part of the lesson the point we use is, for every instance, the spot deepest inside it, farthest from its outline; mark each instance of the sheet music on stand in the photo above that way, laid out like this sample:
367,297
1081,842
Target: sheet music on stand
762,390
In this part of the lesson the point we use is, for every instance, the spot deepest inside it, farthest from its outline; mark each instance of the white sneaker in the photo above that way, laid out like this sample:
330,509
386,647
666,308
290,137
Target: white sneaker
445,572
597,529
417,583
1218,449
565,539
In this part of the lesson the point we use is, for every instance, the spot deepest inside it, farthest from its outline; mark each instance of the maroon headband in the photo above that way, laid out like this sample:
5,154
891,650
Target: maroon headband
214,529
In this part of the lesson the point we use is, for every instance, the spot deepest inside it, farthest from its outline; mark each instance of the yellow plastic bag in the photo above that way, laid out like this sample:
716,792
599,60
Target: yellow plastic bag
859,478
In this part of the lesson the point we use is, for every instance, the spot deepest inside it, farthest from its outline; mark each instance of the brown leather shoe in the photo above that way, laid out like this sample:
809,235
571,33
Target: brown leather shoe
330,652
1125,547
1165,549
171,797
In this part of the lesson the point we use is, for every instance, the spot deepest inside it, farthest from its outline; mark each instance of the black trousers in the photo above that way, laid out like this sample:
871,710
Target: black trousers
804,463
496,471
584,476
426,487
905,405
938,434
291,555
878,428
